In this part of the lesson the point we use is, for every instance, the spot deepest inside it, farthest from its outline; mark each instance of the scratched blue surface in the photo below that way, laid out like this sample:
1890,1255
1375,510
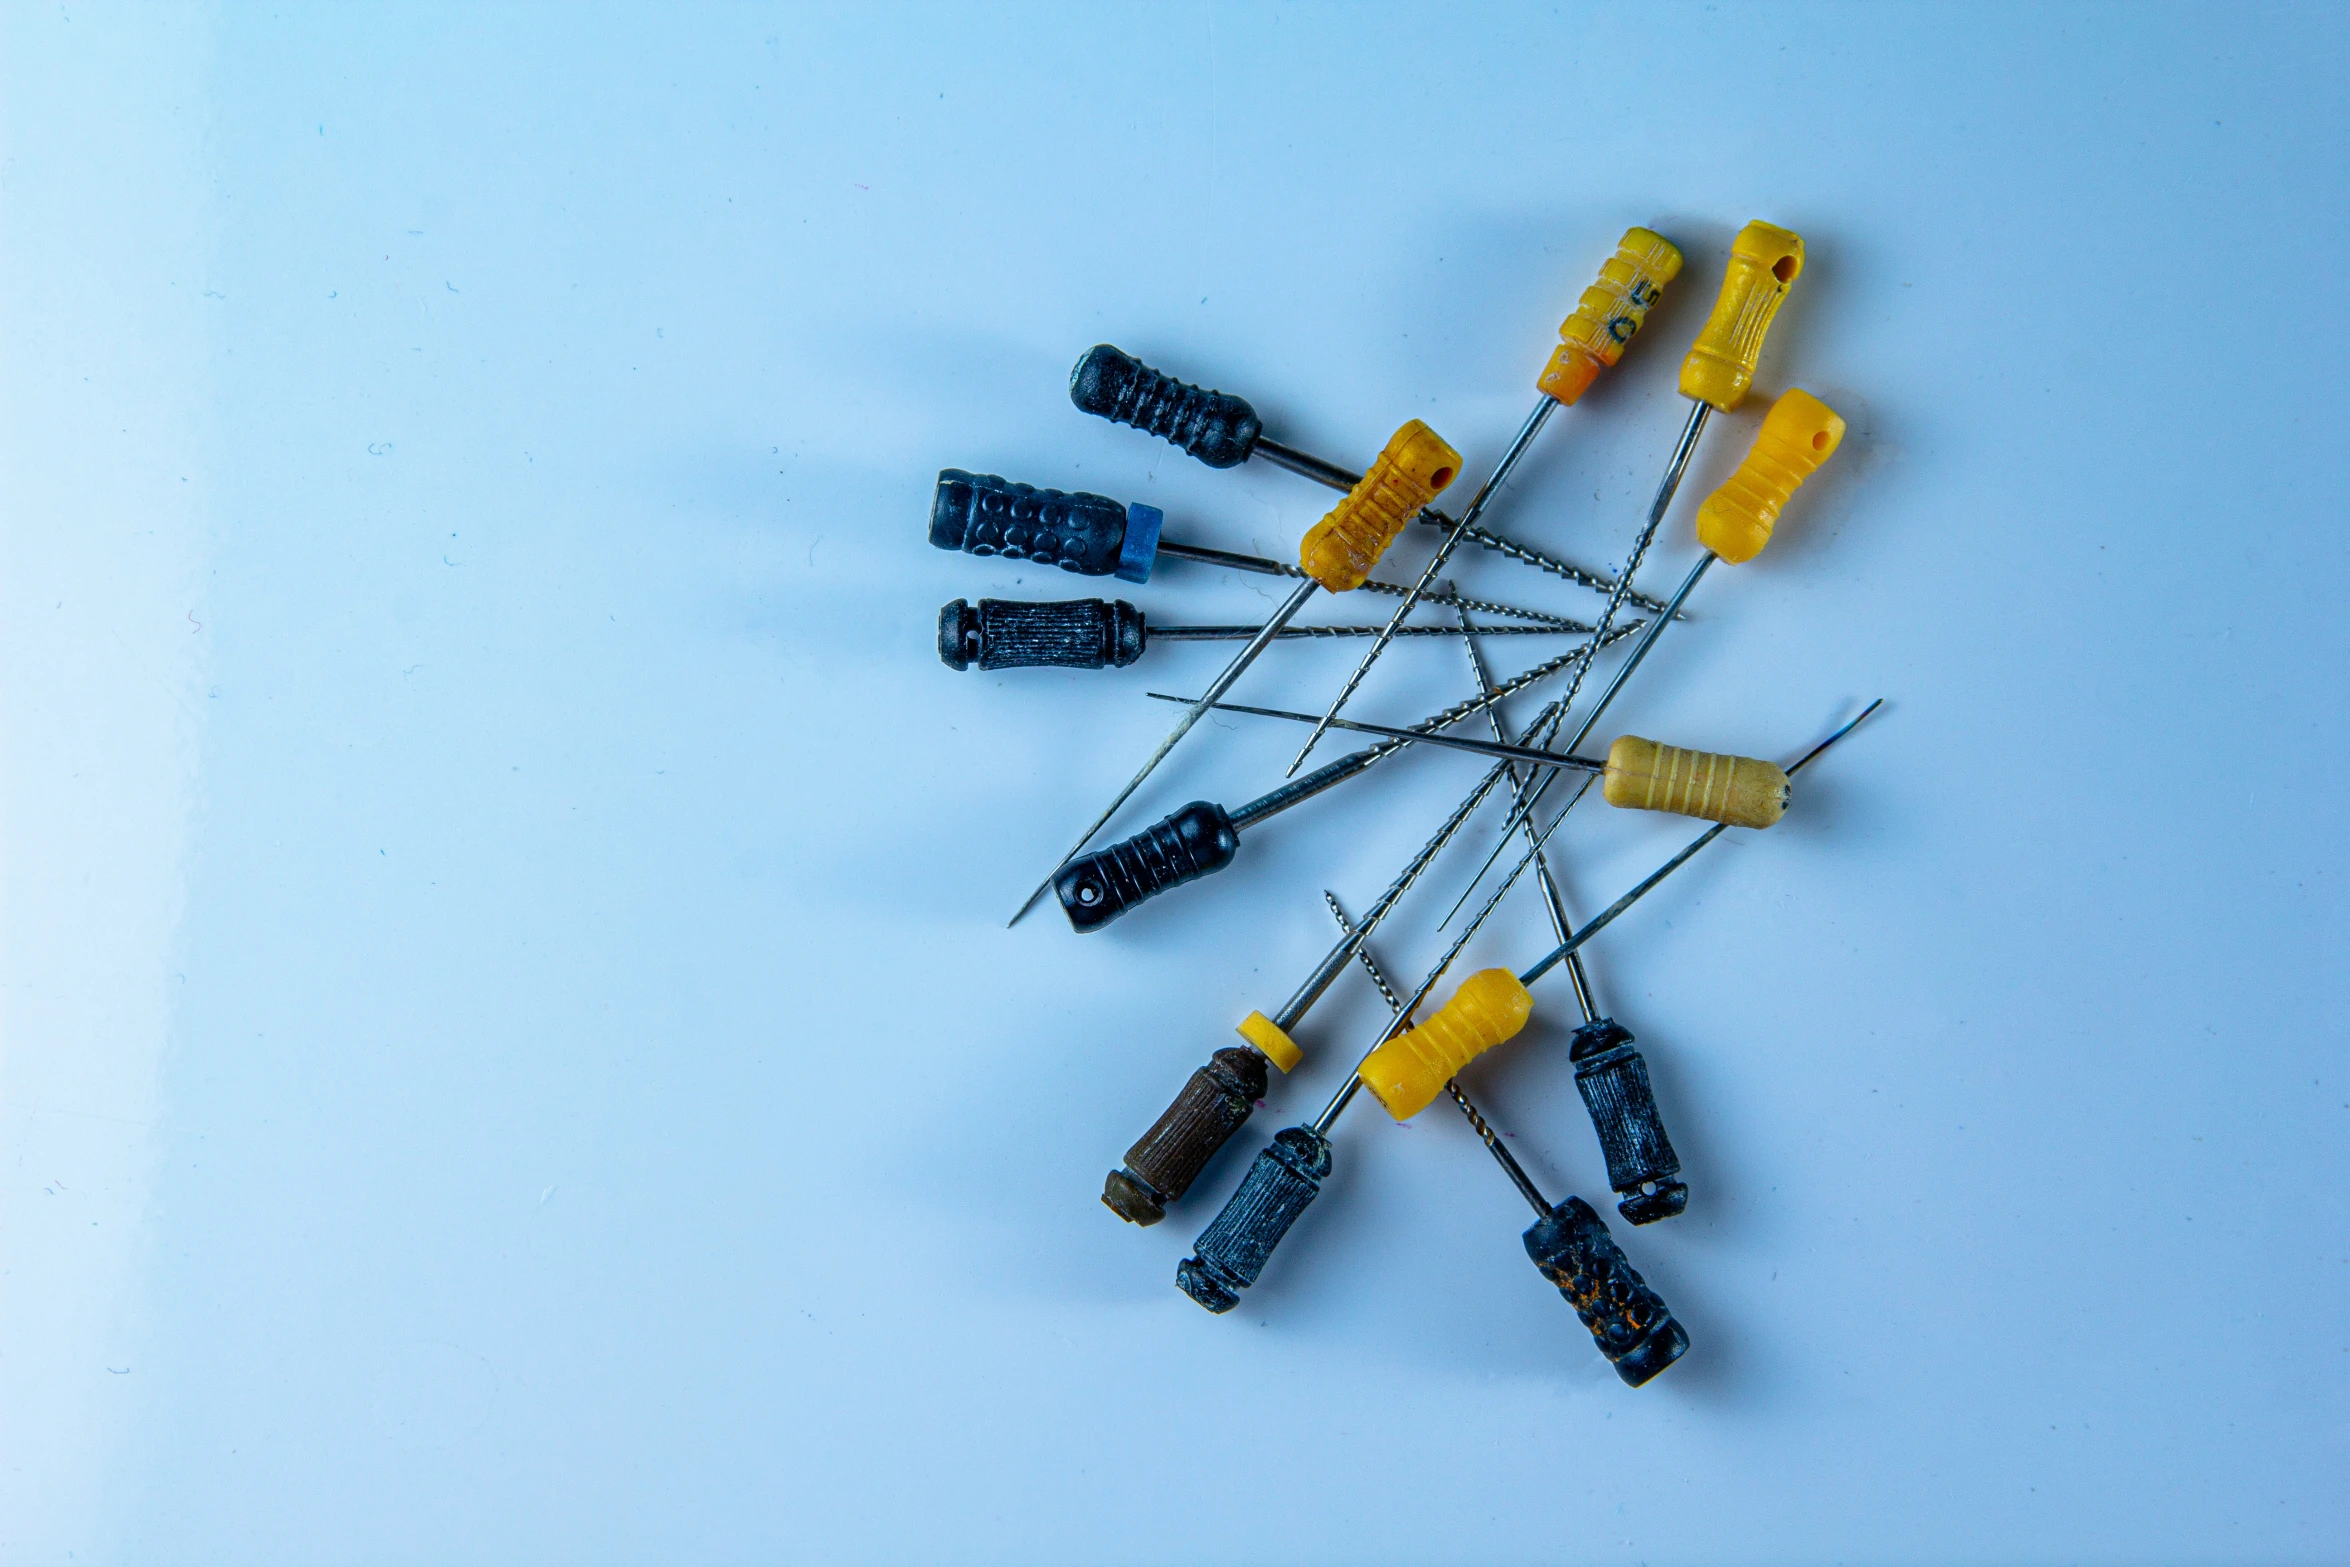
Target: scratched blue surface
511,1049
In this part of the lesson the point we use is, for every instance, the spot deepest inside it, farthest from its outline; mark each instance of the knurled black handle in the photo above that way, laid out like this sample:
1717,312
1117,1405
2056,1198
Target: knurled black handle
1216,427
1641,1164
1011,634
1231,1251
1096,888
1631,1325
1165,1160
981,514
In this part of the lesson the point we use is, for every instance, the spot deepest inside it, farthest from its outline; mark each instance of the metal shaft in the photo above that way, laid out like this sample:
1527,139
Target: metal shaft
1552,902
1509,1162
1566,949
1338,478
1301,1000
1301,789
1675,467
1266,566
1543,408
1508,753
1354,1082
1288,633
1223,683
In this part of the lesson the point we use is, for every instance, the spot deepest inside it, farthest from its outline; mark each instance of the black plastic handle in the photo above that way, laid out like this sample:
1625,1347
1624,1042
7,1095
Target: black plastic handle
981,514
1231,1252
1629,1322
1216,427
1165,1160
1096,888
1011,634
1641,1164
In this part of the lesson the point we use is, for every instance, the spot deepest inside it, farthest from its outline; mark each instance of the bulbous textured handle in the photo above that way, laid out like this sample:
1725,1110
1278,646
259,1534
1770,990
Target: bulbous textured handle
1613,1081
981,514
1011,634
1216,427
1797,435
1410,1070
1165,1160
1231,1252
1631,1325
1096,888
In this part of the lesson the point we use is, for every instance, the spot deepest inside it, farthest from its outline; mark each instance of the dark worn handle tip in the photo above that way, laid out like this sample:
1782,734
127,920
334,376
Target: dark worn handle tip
1130,1200
1666,1200
958,634
1641,1164
1659,1350
1628,1321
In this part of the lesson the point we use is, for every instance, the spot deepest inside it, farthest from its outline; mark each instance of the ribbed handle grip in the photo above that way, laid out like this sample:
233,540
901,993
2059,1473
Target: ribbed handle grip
1613,1081
1231,1252
1737,790
1411,470
1610,313
1632,1327
1011,634
1216,427
981,514
1410,1070
1797,435
1764,260
1165,1160
1096,888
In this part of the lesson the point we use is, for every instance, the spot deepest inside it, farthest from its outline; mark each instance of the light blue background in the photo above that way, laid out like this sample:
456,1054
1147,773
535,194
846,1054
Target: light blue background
511,1052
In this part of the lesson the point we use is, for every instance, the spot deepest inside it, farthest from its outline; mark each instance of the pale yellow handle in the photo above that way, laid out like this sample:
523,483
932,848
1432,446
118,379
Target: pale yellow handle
1738,790
1764,259
1798,434
1609,313
1340,550
1409,1071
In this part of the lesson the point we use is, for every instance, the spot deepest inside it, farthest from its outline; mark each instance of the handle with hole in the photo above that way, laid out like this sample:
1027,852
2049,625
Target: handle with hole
1413,468
1195,841
1797,435
1764,260
1642,1168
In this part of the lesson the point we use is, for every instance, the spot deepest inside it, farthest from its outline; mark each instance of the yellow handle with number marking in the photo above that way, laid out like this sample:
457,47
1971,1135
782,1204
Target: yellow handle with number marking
1609,313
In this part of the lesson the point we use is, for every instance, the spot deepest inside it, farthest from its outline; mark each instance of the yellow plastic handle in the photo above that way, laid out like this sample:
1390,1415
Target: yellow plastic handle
1410,1070
1738,790
1340,550
1764,259
1271,1041
1610,312
1798,434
